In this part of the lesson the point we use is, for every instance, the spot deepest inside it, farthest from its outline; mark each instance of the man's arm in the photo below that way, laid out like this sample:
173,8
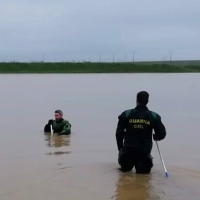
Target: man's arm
66,129
120,132
159,129
47,127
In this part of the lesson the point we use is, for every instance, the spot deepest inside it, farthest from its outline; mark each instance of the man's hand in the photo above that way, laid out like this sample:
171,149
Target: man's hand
50,122
154,137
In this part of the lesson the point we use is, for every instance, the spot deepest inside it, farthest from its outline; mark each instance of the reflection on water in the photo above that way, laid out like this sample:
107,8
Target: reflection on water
135,186
182,184
57,142
58,153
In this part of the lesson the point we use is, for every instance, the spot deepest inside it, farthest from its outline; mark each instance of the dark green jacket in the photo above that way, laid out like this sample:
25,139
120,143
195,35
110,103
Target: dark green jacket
62,127
135,128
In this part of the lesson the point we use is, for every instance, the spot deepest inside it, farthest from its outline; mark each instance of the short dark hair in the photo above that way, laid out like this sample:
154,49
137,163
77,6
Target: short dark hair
59,112
143,97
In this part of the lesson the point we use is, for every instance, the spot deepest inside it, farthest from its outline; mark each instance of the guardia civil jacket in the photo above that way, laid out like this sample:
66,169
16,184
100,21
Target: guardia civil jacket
135,128
61,127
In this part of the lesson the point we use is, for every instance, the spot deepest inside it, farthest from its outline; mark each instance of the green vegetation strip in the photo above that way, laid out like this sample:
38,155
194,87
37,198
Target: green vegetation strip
91,67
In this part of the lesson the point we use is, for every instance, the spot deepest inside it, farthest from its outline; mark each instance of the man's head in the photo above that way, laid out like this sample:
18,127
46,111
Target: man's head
58,115
142,98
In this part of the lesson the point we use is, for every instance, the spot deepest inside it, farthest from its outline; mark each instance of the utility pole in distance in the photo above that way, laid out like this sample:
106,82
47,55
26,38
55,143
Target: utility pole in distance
170,57
99,57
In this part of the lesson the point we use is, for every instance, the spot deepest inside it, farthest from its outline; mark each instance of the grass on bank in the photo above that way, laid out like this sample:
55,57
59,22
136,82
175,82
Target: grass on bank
90,67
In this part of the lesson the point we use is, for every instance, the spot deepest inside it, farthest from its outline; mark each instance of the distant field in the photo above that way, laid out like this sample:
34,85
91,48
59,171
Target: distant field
91,67
174,62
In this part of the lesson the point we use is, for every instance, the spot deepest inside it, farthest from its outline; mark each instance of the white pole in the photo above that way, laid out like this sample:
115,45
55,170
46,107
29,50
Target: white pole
166,173
51,129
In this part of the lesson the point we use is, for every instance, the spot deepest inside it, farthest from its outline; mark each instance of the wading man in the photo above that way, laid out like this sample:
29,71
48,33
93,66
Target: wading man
134,136
59,125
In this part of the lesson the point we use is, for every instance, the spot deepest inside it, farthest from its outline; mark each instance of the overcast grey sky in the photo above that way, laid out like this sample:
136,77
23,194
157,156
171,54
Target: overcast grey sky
90,30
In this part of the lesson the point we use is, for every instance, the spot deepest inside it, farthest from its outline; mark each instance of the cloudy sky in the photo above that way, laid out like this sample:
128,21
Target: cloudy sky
99,30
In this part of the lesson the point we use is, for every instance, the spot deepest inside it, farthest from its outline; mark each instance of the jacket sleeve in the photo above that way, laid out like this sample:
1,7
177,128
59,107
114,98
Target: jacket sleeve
47,127
66,129
120,132
159,129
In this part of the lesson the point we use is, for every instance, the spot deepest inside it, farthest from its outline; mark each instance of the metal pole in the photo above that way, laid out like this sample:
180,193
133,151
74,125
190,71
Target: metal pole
166,173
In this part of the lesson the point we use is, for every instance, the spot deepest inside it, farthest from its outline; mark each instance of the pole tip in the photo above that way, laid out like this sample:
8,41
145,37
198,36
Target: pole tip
166,174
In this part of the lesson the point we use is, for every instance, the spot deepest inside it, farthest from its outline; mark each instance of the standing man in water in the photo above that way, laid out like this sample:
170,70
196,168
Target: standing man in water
134,136
59,125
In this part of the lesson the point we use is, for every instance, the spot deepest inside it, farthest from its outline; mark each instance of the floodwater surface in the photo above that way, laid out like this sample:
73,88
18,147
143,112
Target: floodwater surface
84,165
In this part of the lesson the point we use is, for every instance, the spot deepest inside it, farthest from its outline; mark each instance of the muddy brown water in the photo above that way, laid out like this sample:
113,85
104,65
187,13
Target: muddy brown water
84,165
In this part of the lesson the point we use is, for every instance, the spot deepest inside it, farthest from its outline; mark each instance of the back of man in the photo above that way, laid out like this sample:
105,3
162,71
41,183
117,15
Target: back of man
134,135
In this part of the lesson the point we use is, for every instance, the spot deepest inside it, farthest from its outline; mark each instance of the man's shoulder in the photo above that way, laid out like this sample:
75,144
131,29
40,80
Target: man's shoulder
65,121
155,115
127,112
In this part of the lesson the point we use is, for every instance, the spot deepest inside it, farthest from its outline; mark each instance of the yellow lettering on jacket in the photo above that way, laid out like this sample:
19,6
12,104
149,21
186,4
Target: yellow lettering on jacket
139,126
139,121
